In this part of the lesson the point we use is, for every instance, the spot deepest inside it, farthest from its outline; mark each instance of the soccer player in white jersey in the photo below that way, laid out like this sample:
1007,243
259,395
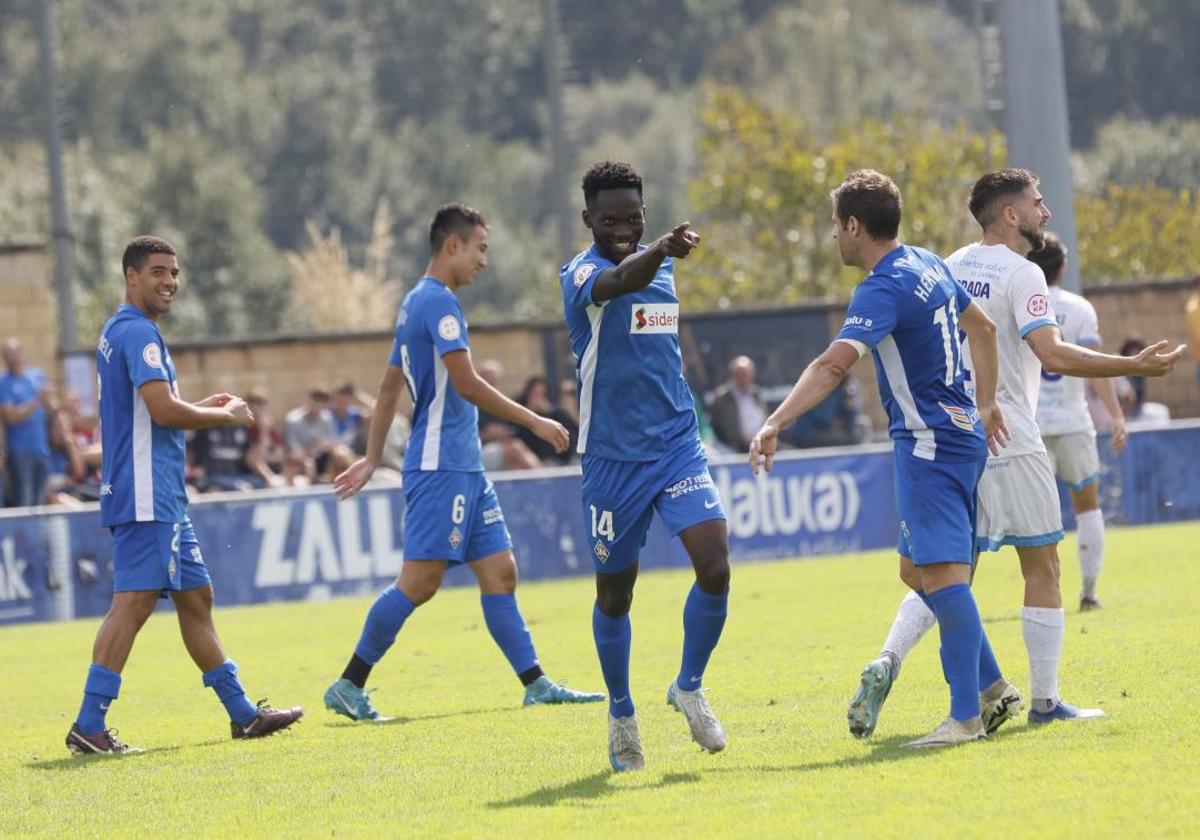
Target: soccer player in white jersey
1018,502
1066,423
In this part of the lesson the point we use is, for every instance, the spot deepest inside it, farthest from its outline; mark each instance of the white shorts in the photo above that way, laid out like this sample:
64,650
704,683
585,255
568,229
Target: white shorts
1018,504
1074,458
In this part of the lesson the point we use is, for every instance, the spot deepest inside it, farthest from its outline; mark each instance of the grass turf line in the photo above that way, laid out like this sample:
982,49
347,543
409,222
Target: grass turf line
464,759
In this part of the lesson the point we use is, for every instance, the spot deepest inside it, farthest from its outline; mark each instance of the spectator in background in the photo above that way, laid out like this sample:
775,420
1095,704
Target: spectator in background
351,411
835,421
502,449
268,456
217,459
536,397
24,398
67,467
310,434
737,411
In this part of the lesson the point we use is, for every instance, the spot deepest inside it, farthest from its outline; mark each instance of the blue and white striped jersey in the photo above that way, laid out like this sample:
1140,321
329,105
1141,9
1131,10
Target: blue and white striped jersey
634,403
142,463
906,311
445,432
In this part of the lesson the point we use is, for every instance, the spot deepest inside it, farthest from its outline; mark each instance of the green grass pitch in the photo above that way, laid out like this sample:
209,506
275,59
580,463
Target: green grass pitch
465,760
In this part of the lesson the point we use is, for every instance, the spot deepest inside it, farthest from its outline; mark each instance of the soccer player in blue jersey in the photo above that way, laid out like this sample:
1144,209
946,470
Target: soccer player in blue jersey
452,514
143,503
908,312
641,447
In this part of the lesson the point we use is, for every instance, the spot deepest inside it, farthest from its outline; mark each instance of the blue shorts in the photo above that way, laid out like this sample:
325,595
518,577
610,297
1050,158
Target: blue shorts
452,516
937,505
620,497
157,555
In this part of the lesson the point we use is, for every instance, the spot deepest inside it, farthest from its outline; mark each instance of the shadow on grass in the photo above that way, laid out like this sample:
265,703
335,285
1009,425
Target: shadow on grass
590,787
399,720
83,762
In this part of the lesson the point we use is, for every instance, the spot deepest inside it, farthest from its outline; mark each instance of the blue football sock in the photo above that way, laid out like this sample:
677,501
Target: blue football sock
962,632
989,669
99,690
384,620
508,629
703,620
224,681
613,637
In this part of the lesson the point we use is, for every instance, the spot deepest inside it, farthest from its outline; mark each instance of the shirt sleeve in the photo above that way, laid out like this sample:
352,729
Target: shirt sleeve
396,359
1089,330
871,316
961,296
444,320
1029,299
142,348
579,279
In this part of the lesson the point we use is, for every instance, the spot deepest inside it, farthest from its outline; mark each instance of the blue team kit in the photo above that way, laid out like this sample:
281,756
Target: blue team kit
638,433
451,509
906,312
142,499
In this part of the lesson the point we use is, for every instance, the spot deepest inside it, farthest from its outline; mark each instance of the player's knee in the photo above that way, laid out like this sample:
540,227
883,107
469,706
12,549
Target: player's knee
712,575
614,599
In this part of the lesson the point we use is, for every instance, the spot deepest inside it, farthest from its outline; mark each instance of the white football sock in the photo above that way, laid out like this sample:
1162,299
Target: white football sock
1090,536
913,620
1043,629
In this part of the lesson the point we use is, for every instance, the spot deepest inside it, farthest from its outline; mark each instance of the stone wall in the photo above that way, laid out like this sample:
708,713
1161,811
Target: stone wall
28,304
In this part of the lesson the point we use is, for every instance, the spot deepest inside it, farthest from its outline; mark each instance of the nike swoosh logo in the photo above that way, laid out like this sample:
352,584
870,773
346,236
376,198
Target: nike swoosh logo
621,699
711,505
104,706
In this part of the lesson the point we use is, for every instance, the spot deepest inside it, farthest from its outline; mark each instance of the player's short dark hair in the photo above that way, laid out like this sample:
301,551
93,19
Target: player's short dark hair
610,175
1051,257
140,248
990,192
874,199
453,218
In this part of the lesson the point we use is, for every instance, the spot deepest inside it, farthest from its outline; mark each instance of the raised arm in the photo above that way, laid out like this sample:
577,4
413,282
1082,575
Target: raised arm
637,270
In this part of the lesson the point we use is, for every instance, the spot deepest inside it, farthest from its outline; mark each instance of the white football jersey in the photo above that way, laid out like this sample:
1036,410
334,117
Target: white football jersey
1012,292
1062,403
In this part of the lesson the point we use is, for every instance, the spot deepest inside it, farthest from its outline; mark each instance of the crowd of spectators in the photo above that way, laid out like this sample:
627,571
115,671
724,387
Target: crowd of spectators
52,450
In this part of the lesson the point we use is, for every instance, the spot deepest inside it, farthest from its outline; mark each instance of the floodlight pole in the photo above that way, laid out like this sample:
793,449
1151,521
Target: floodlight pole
553,57
1035,112
60,220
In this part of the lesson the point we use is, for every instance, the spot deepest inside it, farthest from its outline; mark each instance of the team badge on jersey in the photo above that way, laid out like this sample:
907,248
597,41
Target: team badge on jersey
583,273
960,417
448,328
455,538
655,319
1038,305
152,355
601,551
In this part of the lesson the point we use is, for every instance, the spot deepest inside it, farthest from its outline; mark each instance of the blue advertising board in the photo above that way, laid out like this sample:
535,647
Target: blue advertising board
293,545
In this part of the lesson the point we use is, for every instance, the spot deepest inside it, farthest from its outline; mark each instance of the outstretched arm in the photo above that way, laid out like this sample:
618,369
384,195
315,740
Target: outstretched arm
637,270
818,381
1058,356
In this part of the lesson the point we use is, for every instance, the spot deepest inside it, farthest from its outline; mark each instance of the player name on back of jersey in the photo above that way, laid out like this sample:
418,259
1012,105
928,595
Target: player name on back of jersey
654,318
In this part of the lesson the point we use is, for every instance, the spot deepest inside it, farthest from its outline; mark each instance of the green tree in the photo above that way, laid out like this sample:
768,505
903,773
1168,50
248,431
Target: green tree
1137,232
763,198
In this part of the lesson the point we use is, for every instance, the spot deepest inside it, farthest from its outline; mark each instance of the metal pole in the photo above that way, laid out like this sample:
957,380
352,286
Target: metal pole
559,178
60,221
1035,116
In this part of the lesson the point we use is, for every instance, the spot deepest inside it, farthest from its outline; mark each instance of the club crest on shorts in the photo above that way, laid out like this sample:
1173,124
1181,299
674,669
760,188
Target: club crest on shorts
601,551
171,568
455,538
